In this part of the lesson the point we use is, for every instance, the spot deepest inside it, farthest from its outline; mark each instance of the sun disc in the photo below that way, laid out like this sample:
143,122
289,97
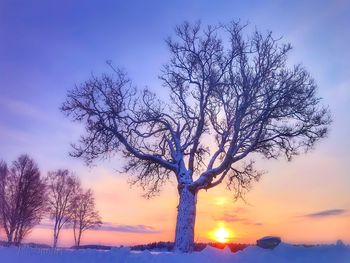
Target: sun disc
221,235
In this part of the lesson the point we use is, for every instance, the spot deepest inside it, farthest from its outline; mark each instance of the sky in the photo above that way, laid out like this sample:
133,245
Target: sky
46,47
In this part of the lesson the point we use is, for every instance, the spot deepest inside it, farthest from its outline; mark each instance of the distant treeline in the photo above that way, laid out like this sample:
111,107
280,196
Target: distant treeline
155,246
168,246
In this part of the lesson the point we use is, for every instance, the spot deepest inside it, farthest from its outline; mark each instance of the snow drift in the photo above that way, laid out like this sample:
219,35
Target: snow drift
283,253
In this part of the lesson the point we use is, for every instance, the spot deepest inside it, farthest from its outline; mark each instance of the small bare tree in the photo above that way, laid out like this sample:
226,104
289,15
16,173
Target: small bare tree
230,96
22,198
62,188
85,215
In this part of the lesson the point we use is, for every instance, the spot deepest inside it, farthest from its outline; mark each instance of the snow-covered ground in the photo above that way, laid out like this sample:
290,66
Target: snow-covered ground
283,253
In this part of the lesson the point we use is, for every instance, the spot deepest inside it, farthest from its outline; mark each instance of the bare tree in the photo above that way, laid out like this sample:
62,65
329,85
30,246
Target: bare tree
230,96
62,188
85,215
22,198
3,202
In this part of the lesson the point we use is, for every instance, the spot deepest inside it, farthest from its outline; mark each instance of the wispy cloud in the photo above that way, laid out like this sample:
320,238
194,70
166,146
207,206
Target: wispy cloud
46,224
24,109
326,213
128,228
107,226
228,217
12,134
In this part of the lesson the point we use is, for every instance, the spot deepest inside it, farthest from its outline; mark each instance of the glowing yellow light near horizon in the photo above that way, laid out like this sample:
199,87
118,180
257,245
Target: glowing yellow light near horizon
221,235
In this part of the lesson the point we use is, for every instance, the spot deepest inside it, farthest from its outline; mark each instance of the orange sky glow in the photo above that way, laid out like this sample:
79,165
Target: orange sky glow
280,204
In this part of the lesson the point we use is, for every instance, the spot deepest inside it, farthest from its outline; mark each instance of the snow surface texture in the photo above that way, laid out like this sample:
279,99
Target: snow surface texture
283,253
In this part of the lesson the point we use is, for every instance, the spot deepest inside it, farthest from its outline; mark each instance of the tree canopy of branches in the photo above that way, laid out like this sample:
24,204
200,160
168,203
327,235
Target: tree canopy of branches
231,95
85,215
22,198
62,190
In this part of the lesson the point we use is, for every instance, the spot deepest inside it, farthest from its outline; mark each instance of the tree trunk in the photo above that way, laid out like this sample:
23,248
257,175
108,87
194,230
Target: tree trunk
79,238
9,238
75,234
186,217
55,238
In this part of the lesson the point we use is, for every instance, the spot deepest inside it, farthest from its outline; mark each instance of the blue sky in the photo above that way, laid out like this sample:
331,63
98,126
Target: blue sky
48,46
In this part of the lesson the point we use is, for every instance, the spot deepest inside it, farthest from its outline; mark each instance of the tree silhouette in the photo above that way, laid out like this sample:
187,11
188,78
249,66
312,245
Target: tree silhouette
22,198
230,96
85,215
62,189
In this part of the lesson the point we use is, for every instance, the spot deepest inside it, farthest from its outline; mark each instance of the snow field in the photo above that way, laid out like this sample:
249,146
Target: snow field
283,253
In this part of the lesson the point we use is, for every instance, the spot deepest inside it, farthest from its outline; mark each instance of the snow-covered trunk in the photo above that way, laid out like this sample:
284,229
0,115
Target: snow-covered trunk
186,217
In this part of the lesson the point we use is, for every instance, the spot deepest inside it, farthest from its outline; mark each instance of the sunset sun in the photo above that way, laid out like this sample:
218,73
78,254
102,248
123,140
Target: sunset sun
221,234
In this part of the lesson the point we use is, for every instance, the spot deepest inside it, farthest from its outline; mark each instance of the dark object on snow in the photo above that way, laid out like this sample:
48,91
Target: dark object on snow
268,242
340,243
